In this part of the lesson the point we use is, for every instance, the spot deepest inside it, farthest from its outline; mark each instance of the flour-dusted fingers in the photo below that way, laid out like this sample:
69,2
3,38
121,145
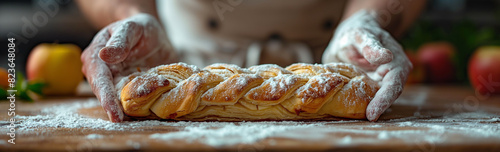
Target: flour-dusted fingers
352,55
394,75
119,49
358,40
364,49
123,37
100,77
369,45
102,85
90,54
392,86
361,41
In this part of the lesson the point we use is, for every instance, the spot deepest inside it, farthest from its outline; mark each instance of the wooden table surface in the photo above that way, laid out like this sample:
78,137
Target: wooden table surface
424,118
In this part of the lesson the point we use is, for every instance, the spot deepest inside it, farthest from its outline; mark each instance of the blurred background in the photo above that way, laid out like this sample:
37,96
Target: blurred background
68,25
440,44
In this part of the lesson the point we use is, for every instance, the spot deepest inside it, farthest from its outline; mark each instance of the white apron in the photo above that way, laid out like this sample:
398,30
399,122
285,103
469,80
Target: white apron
250,32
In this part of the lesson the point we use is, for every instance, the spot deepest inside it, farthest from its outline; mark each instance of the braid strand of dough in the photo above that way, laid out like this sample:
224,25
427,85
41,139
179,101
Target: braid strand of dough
227,92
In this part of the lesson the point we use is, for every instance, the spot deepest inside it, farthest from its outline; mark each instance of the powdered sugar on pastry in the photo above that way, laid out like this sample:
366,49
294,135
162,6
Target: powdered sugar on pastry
227,91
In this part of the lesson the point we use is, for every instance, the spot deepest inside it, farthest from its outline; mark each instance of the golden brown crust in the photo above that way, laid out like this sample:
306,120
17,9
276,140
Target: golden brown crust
265,92
230,91
318,91
151,87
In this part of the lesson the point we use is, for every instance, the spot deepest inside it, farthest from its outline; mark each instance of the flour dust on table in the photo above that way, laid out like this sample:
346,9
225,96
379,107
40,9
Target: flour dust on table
218,134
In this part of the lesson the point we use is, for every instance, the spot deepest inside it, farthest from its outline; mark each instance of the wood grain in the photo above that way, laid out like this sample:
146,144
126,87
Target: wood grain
417,105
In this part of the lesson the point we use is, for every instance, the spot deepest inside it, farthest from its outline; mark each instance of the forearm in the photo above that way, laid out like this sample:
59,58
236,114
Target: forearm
102,13
395,16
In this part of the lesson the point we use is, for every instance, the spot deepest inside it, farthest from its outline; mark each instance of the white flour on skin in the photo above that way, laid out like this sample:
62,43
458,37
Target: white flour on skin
140,27
361,33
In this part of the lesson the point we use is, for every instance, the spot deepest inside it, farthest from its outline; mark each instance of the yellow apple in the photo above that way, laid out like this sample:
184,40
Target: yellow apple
58,66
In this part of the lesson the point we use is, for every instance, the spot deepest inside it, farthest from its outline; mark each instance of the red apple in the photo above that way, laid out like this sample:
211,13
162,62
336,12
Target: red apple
484,70
437,59
4,76
417,75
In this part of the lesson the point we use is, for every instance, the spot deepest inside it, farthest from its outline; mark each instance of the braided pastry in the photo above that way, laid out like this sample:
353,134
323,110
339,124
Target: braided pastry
227,92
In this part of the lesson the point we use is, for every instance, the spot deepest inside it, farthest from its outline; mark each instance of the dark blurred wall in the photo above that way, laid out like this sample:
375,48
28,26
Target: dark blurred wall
67,25
54,21
445,12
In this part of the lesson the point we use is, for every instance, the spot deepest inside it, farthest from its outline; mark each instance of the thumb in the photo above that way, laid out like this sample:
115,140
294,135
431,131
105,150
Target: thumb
372,50
122,39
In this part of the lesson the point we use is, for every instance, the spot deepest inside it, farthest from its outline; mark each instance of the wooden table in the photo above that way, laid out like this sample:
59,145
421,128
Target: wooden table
425,118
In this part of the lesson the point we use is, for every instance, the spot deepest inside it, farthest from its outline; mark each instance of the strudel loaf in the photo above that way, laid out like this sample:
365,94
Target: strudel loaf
224,92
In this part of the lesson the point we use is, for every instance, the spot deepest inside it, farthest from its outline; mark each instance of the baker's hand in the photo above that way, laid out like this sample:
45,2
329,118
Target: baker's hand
137,41
360,40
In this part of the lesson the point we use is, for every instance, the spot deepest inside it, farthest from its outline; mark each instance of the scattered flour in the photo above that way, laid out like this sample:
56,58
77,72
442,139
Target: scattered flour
245,133
346,140
94,136
383,135
472,125
134,144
